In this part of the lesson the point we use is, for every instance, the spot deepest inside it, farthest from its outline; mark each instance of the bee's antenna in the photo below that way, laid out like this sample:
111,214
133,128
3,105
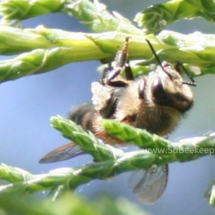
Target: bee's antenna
155,54
189,83
192,83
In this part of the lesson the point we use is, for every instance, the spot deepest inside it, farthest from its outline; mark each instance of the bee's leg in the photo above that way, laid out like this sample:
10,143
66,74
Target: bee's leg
115,72
109,73
104,99
105,73
105,95
122,55
128,72
108,111
118,83
121,63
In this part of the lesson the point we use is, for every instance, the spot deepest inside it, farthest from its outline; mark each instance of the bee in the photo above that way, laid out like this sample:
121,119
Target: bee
155,102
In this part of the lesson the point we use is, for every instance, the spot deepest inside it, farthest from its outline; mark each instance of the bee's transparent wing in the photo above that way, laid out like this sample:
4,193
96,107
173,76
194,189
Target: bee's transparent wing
148,185
65,152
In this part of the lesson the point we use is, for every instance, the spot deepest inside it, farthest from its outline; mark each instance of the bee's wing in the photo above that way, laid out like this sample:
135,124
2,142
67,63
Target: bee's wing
148,185
65,152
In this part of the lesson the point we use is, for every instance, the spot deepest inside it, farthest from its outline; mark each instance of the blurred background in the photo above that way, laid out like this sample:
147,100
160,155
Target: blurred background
28,103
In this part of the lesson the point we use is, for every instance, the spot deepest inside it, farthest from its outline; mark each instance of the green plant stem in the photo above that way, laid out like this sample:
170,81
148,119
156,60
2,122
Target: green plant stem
92,14
51,48
157,17
109,166
186,149
87,141
73,177
13,9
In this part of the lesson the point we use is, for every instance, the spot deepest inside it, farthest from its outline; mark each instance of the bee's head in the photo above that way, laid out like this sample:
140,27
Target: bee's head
166,87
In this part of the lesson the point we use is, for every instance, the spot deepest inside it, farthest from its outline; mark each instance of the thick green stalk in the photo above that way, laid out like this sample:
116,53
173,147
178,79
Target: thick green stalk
47,49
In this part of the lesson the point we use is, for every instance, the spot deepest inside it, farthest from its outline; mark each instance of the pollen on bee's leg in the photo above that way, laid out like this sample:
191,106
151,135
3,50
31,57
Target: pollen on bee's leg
101,95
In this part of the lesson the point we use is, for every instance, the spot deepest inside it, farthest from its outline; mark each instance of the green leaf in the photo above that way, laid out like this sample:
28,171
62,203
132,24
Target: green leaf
24,9
156,17
92,14
184,150
87,141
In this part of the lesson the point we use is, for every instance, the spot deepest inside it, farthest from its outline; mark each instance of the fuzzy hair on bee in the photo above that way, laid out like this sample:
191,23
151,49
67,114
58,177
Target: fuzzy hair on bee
155,102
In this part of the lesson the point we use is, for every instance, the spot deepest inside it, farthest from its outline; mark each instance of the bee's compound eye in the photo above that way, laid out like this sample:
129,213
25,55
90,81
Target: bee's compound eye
141,88
158,92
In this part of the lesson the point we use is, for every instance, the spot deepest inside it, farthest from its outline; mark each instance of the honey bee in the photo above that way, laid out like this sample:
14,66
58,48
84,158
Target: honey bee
155,102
